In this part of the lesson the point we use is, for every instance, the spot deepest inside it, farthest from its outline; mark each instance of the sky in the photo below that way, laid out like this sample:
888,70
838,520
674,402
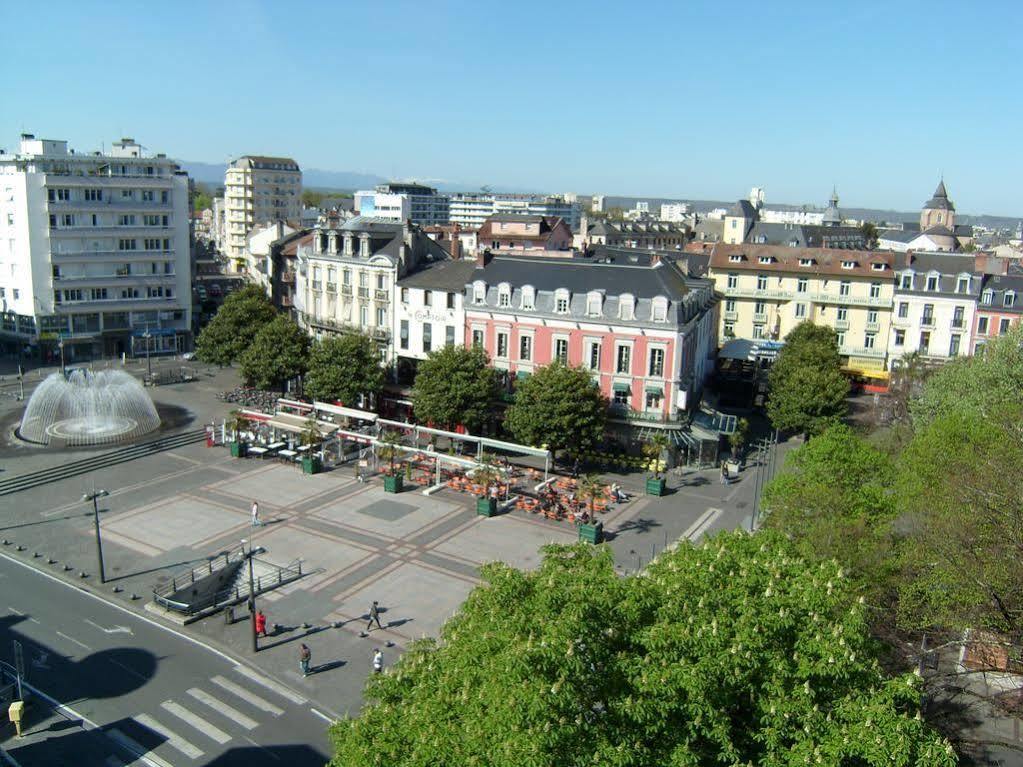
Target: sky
698,100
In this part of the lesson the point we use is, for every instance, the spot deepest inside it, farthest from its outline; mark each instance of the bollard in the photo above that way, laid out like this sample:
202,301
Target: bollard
67,567
134,596
82,574
118,589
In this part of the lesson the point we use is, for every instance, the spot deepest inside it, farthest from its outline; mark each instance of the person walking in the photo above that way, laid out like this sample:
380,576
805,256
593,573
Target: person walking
255,514
374,615
378,661
724,473
260,624
304,656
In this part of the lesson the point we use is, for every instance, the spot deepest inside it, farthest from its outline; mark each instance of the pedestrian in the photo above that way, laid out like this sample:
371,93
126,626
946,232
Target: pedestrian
378,661
374,615
575,467
724,473
255,514
304,656
260,624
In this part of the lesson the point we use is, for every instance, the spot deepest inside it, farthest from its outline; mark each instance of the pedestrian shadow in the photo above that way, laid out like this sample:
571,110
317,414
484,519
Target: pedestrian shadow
638,525
329,666
397,623
298,635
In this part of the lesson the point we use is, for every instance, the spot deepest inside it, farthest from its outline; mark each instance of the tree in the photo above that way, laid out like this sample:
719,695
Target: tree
235,325
737,439
312,199
455,386
653,448
279,352
959,488
345,369
870,234
835,499
202,201
735,652
980,384
558,406
592,487
390,448
808,389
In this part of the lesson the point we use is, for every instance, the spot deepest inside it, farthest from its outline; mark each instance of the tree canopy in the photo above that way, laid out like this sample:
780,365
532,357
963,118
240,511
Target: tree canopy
558,406
454,385
808,390
279,352
235,325
344,368
735,652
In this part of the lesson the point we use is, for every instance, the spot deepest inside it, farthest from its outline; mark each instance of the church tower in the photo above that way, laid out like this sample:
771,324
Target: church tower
938,211
832,216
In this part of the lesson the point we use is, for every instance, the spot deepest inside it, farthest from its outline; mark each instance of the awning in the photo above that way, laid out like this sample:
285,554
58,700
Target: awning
298,424
651,389
622,387
344,412
520,374
880,375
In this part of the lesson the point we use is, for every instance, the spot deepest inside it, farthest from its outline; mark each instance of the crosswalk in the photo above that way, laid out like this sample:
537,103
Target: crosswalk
186,728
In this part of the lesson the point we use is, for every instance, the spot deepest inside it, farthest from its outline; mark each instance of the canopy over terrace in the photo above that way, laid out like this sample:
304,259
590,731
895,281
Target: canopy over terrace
297,424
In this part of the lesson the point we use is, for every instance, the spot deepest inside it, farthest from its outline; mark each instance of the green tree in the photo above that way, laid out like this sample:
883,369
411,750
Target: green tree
312,199
738,438
455,386
808,390
980,384
279,352
835,499
558,406
235,325
202,201
345,369
870,233
959,489
735,652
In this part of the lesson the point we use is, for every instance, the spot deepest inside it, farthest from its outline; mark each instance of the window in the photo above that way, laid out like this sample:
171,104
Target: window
151,220
561,350
761,282
17,293
841,340
526,348
450,300
479,293
963,284
346,277
730,305
504,296
502,345
404,296
982,326
953,346
477,337
843,288
730,329
593,357
765,260
620,395
843,314
903,309
900,337
848,264
363,280
93,195
875,290
735,258
528,298
1003,327
660,309
733,281
758,331
561,302
623,359
449,335
363,316
381,318
932,282
381,282
806,262
126,244
868,340
593,305
126,220
403,335
126,194
626,307
957,317
148,195
877,266
427,298
928,317
1008,299
925,342
906,281
427,337
801,285
800,311
759,308
988,297
656,362
872,317
653,400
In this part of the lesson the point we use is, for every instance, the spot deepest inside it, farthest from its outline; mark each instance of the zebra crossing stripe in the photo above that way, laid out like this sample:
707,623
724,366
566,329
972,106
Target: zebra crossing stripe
251,698
137,748
280,689
196,721
173,739
222,708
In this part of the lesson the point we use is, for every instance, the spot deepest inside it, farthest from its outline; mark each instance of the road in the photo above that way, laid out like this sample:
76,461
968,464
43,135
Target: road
149,695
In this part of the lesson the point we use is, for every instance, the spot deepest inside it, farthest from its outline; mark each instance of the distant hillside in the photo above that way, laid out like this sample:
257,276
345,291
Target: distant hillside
213,174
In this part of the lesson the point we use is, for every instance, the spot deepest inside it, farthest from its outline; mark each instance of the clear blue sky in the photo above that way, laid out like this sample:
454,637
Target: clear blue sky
675,99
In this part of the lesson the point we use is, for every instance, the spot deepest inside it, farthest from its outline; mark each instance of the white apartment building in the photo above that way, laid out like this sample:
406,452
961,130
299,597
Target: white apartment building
257,190
94,252
471,210
402,202
801,217
676,212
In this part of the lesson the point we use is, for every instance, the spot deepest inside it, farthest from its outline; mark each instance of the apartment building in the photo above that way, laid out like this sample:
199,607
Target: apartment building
645,329
1000,307
514,234
257,190
471,210
95,255
402,202
645,235
935,304
769,289
346,275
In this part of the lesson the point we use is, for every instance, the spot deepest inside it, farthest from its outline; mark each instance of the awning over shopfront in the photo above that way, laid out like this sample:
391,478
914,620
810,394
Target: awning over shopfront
296,424
344,412
622,387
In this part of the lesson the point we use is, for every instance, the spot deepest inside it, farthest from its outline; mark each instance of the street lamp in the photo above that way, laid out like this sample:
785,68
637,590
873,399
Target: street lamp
252,598
95,494
149,362
60,345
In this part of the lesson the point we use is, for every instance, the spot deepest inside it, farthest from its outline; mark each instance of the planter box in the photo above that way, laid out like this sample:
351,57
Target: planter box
655,486
486,507
239,449
394,483
592,533
733,468
311,464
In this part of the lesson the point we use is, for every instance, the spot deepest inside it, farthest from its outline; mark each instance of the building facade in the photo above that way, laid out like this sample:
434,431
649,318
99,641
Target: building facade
515,234
97,253
934,306
471,210
645,235
646,331
768,290
257,190
401,202
1000,307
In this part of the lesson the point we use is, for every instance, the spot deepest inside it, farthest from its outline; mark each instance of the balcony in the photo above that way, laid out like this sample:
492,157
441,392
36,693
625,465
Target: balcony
330,323
841,324
927,321
873,327
381,295
332,287
317,285
774,293
346,290
834,298
288,277
759,319
625,413
364,293
901,322
860,351
731,316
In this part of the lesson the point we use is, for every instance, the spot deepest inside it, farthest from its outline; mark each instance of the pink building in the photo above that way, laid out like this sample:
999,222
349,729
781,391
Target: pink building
513,234
643,327
1000,307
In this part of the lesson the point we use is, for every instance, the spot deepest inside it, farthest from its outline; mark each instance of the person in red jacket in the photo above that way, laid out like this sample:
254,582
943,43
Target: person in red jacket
260,624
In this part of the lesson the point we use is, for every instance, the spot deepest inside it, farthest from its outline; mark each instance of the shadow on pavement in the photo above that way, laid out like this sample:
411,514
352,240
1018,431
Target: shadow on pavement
253,756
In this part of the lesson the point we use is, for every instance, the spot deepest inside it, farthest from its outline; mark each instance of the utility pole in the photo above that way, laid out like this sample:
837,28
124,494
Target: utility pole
93,496
60,345
149,362
252,597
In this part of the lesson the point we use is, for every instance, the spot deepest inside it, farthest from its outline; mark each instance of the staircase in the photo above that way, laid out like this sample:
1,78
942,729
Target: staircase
33,479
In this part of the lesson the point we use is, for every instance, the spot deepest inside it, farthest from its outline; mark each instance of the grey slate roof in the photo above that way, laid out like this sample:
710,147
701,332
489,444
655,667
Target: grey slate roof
948,266
744,209
450,276
897,235
999,284
940,199
371,224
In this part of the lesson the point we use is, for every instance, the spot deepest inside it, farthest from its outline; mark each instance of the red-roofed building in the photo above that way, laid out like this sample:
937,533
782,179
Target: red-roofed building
516,235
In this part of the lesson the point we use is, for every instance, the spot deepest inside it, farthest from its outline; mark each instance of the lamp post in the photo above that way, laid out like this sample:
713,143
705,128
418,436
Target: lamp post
60,345
252,597
149,362
93,496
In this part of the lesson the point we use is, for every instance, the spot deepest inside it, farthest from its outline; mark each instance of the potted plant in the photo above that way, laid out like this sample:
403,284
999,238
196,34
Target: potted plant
487,475
737,441
591,488
237,423
311,463
654,449
389,448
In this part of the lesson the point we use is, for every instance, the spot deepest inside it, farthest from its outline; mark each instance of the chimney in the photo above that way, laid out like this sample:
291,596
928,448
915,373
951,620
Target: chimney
456,246
483,258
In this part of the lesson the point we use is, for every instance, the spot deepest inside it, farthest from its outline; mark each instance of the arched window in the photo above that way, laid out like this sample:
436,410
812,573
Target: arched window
528,300
562,300
594,303
504,295
479,292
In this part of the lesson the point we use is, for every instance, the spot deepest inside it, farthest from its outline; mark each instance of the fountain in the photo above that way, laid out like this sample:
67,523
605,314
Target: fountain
88,408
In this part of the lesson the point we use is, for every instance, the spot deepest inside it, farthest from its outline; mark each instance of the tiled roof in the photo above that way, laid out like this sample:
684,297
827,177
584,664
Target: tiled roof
450,276
785,259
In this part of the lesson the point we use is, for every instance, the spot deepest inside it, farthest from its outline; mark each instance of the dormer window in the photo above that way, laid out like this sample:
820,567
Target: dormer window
932,283
528,297
735,259
762,240
659,310
987,297
906,281
479,293
626,307
848,264
593,304
806,262
1009,299
561,301
504,295
765,260
963,283
877,266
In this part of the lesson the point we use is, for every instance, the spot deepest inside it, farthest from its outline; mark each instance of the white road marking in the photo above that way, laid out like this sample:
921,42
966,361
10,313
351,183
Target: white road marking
114,630
72,639
223,708
174,740
248,697
196,721
20,614
699,527
322,716
280,689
